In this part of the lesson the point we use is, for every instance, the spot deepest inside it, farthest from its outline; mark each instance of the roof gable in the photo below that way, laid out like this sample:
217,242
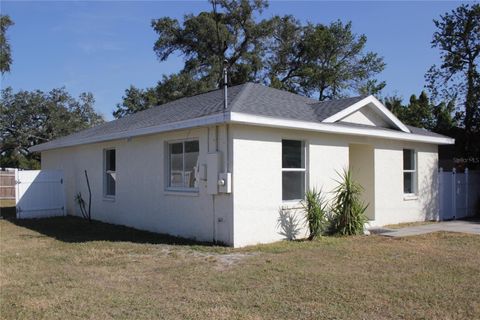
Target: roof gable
376,106
366,116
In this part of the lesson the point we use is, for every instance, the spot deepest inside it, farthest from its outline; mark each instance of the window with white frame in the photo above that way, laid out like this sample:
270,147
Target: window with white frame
293,170
110,176
409,171
183,164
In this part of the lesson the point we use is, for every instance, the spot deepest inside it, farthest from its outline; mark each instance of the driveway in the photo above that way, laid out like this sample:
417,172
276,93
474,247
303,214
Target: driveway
464,226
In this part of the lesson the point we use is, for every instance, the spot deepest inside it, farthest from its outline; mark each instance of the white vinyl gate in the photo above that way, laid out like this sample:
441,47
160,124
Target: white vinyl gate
459,194
39,193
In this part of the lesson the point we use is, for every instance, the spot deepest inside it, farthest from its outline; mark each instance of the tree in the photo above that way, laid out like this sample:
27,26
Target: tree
327,62
227,36
419,112
422,112
169,88
28,118
5,52
286,55
395,105
458,39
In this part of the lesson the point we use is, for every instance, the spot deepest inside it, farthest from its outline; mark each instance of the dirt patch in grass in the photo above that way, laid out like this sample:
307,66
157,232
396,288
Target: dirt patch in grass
409,224
62,268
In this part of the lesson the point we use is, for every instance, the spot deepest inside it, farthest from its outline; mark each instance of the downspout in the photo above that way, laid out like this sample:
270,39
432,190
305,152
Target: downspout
227,137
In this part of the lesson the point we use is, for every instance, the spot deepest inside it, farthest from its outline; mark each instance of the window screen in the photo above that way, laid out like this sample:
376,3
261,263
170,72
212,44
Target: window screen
409,171
293,170
183,163
110,172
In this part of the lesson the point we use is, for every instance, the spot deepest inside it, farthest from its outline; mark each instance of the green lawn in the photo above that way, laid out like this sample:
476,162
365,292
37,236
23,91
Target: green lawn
65,268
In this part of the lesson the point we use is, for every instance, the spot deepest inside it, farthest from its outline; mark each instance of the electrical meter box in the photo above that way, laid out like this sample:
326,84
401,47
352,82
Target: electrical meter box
225,182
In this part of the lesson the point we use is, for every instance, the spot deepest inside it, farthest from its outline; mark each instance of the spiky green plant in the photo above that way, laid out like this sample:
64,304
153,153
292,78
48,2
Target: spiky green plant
315,208
348,209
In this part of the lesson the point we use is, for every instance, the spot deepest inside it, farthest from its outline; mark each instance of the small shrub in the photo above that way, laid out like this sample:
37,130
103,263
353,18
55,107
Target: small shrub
348,209
315,208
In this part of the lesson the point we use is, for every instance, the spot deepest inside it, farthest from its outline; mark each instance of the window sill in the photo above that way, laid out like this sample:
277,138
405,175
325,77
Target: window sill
109,199
409,197
291,204
186,193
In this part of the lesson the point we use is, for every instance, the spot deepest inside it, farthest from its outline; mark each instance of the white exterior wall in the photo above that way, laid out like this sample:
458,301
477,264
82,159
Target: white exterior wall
362,165
257,181
250,214
141,199
390,204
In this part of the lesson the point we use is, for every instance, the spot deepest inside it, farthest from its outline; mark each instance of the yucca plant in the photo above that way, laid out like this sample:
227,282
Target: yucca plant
315,208
348,209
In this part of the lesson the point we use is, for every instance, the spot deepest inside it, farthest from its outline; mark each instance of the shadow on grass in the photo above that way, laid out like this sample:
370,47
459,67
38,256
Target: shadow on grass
74,229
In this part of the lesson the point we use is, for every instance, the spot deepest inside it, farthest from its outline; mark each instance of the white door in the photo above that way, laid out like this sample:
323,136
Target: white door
39,193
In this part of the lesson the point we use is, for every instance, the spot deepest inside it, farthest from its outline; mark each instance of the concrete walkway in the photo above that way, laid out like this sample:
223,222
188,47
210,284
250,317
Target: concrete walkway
464,226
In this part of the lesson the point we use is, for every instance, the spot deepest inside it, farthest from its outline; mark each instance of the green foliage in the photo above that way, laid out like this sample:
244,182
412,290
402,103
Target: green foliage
315,208
348,209
169,88
5,51
324,61
228,32
421,112
458,78
327,61
28,118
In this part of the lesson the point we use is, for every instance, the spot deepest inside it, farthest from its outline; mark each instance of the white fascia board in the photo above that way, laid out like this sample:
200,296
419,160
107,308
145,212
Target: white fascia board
360,104
333,128
242,118
198,122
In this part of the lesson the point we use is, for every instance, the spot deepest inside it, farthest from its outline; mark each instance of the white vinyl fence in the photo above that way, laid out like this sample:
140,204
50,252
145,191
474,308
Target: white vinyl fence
39,193
459,194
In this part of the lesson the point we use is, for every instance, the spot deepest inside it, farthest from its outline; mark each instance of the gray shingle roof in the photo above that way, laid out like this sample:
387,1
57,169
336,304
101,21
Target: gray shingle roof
424,132
249,98
413,130
257,99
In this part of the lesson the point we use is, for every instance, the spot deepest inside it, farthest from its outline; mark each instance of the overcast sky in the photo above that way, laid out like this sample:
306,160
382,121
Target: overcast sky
105,46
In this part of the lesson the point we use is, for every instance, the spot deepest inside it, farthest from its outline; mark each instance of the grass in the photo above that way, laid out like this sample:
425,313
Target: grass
65,268
5,203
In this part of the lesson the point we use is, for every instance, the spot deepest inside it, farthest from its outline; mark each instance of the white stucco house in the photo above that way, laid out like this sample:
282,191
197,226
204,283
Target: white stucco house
202,169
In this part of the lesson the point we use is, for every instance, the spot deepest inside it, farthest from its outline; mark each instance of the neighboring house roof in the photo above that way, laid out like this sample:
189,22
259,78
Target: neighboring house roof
247,103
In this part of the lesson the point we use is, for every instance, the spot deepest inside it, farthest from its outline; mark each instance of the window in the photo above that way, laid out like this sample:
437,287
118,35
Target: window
293,170
409,171
110,177
183,164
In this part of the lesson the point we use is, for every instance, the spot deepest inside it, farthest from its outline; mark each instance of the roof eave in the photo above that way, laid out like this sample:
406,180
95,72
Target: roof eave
243,118
333,128
191,123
